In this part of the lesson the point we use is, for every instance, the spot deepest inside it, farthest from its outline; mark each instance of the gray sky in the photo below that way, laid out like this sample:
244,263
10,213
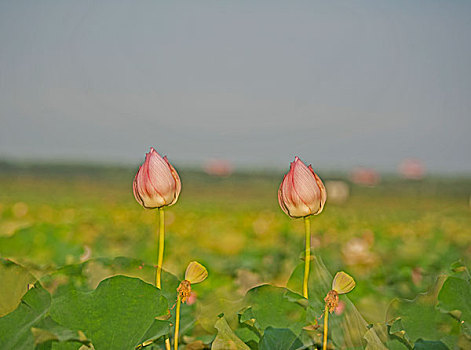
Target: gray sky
339,83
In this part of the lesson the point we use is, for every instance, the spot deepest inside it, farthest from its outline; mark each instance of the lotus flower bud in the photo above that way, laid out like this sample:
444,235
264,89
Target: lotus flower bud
301,192
156,183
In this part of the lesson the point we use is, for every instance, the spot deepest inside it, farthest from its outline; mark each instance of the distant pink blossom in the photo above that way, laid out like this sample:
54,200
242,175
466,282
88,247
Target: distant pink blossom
412,169
365,176
218,167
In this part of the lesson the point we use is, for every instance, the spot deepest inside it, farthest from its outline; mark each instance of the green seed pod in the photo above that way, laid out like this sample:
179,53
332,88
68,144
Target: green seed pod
195,272
343,283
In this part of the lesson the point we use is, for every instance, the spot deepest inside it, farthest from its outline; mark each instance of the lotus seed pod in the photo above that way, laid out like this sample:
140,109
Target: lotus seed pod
343,283
195,273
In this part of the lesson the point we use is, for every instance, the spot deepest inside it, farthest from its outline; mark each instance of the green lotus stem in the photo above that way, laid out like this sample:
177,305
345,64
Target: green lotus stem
307,258
160,259
161,248
326,327
177,323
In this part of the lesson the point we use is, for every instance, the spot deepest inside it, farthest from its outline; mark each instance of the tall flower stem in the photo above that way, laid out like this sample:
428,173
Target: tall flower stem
160,258
326,327
307,258
177,323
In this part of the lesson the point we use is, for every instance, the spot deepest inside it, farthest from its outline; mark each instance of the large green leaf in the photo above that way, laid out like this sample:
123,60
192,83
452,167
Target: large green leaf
417,319
455,295
14,284
48,331
395,344
271,306
15,328
372,337
226,339
248,335
114,316
86,276
429,345
158,329
279,339
420,320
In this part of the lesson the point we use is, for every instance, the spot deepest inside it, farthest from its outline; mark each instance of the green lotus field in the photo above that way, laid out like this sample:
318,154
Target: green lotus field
78,256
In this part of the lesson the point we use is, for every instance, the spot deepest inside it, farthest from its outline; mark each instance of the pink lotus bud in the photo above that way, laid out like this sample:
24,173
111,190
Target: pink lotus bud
301,192
156,183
